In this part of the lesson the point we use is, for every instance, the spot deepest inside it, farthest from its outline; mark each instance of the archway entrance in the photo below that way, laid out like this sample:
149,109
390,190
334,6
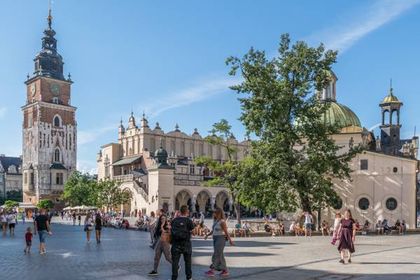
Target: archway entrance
222,201
183,198
126,208
203,203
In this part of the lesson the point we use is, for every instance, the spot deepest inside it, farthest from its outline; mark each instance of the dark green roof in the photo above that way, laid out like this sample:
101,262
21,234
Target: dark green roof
125,161
339,114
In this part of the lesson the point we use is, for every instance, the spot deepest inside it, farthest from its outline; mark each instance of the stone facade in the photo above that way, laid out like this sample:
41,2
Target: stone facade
134,162
49,126
10,175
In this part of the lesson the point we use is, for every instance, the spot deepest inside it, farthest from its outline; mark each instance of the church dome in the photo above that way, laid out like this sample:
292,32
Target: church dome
341,115
390,98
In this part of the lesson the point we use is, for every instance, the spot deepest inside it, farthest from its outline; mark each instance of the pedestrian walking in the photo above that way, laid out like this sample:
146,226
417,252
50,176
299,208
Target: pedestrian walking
347,236
308,224
98,227
11,220
151,227
74,218
3,221
28,240
336,228
23,217
220,235
42,226
79,218
88,226
181,228
163,245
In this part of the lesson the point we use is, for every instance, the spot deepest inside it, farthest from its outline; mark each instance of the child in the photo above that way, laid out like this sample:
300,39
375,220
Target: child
336,234
28,239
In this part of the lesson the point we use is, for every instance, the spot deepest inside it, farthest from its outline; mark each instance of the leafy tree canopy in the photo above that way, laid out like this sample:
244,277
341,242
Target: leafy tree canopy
294,159
45,204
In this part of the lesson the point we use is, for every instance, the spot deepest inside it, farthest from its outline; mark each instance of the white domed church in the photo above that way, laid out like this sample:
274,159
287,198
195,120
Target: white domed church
384,181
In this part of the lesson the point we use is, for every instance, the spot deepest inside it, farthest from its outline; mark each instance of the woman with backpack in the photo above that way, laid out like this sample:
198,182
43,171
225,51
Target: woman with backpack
163,245
220,235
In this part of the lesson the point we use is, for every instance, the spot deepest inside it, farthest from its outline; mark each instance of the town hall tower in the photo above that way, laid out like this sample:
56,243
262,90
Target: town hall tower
49,125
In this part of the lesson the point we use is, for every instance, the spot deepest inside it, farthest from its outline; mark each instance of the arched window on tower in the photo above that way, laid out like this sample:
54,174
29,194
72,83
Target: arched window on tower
57,155
57,121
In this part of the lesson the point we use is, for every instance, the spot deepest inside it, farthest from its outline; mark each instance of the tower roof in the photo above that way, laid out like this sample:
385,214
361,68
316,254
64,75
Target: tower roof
48,62
390,98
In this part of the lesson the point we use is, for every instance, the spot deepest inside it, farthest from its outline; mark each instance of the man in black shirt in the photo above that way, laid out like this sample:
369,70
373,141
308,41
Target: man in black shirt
181,228
42,225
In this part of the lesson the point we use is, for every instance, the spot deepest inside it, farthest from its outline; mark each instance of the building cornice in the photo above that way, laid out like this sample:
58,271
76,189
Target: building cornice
50,105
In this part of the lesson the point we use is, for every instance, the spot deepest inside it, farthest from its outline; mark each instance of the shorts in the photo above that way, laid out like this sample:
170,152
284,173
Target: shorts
308,226
29,243
11,226
42,234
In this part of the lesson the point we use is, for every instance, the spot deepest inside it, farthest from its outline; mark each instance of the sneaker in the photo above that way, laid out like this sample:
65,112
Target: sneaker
224,273
153,273
341,261
210,273
349,261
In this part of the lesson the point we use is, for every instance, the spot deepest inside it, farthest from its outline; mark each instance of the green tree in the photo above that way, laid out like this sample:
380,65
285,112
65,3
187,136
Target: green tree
9,204
45,204
224,171
81,189
15,195
294,159
111,195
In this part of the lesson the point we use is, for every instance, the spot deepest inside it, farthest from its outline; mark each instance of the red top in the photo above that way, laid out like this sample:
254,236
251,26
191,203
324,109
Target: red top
28,236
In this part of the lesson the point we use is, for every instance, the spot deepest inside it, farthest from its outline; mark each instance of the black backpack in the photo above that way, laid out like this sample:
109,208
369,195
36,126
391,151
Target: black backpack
179,230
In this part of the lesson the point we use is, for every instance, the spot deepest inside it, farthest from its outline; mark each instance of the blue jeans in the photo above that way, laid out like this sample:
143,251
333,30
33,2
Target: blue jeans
42,234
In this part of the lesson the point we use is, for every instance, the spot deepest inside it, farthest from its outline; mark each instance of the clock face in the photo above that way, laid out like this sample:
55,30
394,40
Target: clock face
55,89
33,89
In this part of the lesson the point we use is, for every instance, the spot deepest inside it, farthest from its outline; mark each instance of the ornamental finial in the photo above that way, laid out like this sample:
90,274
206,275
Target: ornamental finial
49,15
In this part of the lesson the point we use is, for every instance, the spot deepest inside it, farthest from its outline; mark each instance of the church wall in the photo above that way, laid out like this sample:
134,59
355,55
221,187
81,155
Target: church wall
378,184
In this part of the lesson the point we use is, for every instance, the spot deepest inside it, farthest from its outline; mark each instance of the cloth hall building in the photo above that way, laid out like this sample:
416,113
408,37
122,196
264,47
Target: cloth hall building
158,168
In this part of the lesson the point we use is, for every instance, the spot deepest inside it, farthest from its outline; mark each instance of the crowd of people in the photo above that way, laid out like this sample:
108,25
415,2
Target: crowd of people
170,233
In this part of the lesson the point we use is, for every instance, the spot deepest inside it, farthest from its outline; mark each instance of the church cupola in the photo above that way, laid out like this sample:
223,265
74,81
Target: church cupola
329,92
390,127
131,121
145,123
48,62
121,128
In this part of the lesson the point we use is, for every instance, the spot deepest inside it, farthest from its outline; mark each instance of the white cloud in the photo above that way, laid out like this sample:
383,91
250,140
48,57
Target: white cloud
3,111
87,166
344,35
188,96
85,137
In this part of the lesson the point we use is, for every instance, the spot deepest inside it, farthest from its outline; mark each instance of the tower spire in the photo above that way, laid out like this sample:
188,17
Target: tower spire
49,15
391,90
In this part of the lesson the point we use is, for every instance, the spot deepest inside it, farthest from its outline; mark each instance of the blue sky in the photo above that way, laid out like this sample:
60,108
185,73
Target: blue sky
167,58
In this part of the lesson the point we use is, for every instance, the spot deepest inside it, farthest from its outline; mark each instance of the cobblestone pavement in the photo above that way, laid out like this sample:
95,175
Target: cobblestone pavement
126,255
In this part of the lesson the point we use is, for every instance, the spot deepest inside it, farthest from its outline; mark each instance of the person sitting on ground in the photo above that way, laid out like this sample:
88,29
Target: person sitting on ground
366,226
398,227
292,227
280,229
403,227
379,227
267,227
325,228
299,230
386,227
358,227
246,228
